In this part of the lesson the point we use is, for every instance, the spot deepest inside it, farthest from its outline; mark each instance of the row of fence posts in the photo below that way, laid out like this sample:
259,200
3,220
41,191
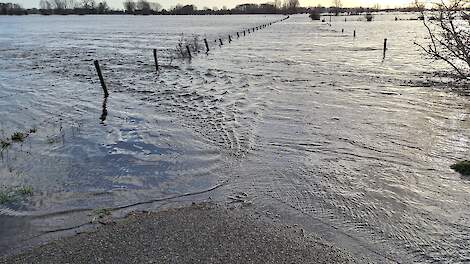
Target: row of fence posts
155,57
385,42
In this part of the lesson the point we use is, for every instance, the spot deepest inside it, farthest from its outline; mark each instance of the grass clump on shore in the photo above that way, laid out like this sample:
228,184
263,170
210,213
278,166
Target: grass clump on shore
462,167
25,191
5,197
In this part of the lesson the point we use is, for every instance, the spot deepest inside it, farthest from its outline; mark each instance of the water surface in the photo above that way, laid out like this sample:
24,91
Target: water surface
298,113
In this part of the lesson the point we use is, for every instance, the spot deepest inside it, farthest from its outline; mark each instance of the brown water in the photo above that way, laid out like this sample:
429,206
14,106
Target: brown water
296,113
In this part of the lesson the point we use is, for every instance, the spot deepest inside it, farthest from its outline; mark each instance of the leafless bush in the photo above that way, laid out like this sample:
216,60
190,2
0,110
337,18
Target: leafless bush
195,43
449,35
181,51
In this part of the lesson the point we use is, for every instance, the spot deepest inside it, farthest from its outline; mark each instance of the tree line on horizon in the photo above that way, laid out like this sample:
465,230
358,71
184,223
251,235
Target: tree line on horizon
145,7
12,9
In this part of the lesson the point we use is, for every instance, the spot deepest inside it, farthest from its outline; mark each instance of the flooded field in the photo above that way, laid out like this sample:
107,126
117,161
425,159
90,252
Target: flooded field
298,113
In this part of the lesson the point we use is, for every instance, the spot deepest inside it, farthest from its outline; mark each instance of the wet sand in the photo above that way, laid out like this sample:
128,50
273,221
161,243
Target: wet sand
204,233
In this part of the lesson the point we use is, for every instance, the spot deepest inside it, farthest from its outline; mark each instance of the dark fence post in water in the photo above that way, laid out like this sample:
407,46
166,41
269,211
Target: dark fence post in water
207,45
189,51
229,39
221,43
155,59
238,35
354,33
385,47
103,85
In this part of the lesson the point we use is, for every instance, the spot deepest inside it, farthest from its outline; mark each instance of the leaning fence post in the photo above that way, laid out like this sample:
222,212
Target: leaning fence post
155,59
220,41
103,85
207,45
229,39
189,51
385,47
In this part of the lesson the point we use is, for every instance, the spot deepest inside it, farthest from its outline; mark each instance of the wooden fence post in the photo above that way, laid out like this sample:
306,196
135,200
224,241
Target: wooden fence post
385,47
189,51
155,59
207,45
103,84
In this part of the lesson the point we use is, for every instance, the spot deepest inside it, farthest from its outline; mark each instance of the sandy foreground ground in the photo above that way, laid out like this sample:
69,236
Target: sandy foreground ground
203,233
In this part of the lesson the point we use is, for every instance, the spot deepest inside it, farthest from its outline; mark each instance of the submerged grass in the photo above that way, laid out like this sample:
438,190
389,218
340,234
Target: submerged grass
4,144
462,167
18,137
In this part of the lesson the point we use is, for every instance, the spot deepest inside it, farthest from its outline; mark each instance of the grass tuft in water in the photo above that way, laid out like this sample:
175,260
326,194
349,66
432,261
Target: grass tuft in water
462,167
18,137
4,144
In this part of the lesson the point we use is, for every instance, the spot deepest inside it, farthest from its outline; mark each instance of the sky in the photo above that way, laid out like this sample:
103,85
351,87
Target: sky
232,3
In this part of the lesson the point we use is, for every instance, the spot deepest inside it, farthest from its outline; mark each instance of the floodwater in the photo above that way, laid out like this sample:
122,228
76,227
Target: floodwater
298,113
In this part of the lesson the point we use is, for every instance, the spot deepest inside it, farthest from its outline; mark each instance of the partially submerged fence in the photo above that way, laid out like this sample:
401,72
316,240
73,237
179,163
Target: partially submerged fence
189,49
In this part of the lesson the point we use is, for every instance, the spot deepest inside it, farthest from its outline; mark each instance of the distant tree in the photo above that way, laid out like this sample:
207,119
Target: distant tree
292,5
449,36
45,4
418,6
183,10
337,5
277,4
155,6
129,6
376,7
88,4
102,8
59,5
143,7
11,9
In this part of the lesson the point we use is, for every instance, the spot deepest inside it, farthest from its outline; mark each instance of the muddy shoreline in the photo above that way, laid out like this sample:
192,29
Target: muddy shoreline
199,233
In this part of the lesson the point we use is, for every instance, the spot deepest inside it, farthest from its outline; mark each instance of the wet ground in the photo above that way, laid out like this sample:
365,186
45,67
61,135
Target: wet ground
300,116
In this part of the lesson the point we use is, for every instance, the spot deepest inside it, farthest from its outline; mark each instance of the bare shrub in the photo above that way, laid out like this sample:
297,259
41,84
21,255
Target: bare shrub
449,35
